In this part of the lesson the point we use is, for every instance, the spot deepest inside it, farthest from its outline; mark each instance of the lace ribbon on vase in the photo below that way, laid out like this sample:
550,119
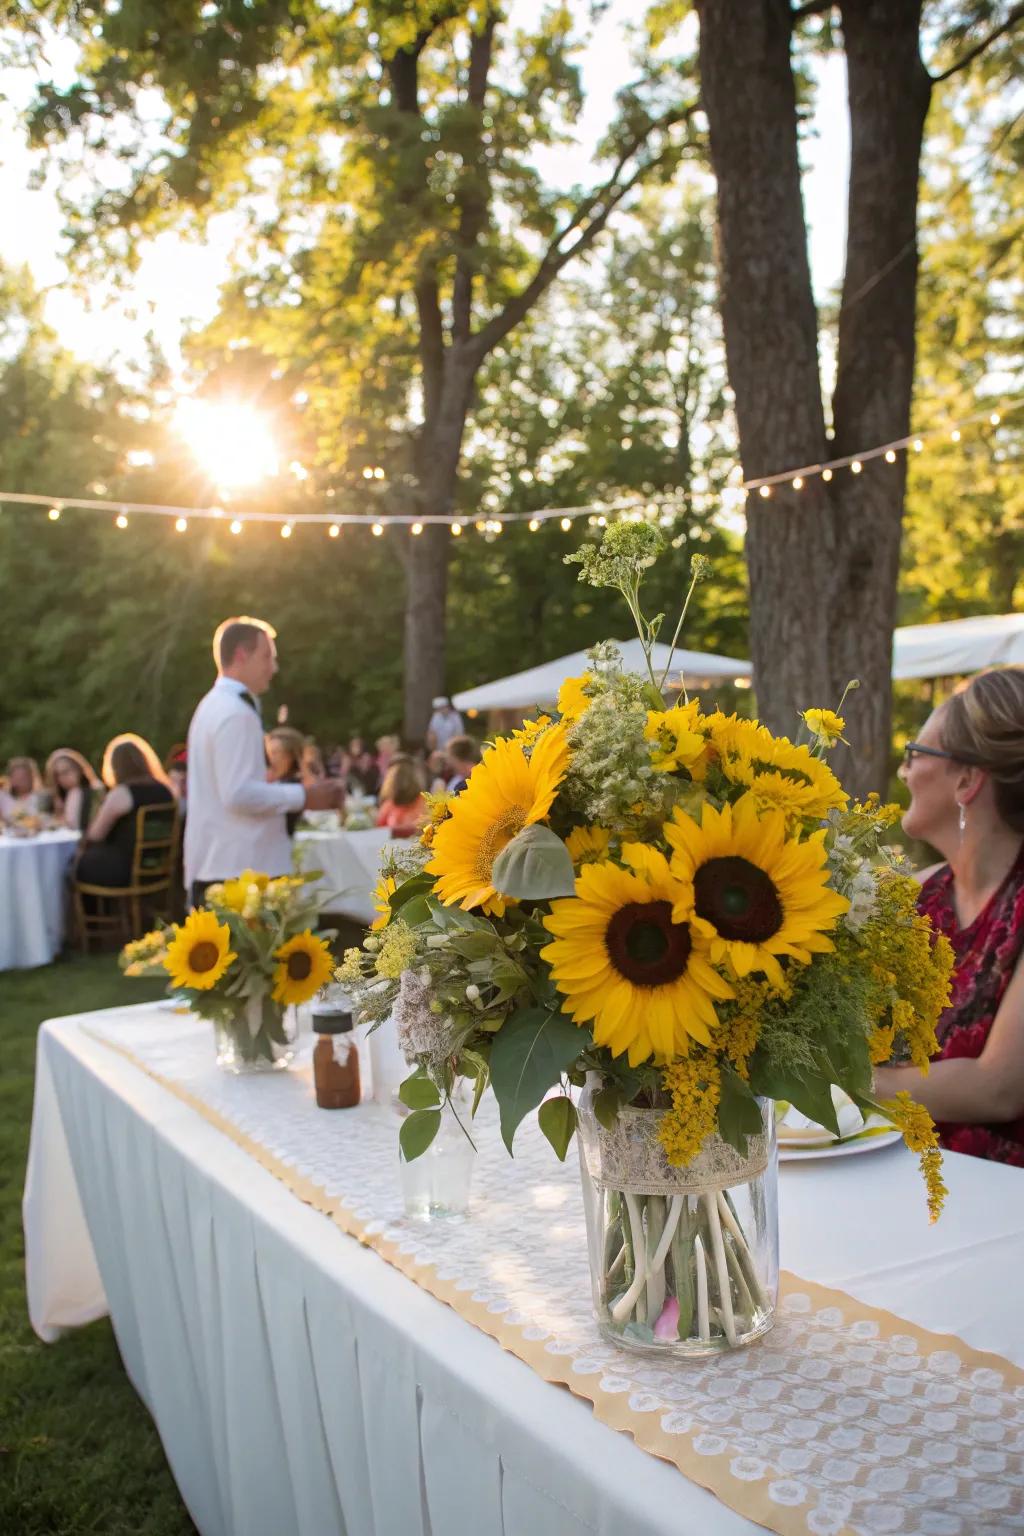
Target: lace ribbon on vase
630,1157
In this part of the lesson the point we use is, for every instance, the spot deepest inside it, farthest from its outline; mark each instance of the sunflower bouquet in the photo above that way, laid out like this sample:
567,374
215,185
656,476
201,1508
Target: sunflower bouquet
681,914
241,961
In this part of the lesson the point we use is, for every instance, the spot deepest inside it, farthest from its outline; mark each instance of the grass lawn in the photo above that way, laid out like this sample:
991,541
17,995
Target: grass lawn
78,1452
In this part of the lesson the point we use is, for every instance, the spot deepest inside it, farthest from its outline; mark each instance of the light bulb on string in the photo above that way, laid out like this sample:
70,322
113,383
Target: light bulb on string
798,482
566,524
378,473
890,457
416,529
456,530
602,522
236,526
480,527
54,514
286,530
995,419
334,530
181,526
377,530
826,474
918,445
954,436
856,467
120,521
764,491
534,524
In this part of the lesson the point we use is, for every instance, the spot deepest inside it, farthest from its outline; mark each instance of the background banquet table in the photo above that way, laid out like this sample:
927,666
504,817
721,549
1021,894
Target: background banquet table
302,1384
350,862
32,897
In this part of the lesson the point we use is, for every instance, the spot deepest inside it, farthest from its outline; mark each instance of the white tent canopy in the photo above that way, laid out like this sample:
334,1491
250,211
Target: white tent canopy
539,685
958,646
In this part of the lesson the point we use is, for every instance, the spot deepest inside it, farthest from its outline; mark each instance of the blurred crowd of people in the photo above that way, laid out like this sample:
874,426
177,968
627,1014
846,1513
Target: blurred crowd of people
387,785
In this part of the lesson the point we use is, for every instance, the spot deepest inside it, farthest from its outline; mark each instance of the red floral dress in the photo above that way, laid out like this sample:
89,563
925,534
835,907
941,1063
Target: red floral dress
987,952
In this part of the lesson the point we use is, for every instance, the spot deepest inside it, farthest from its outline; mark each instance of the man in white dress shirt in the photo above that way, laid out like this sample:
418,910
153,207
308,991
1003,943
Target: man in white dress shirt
236,819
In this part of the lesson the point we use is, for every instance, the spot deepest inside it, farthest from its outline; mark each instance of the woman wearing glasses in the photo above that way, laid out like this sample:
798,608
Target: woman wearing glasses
965,774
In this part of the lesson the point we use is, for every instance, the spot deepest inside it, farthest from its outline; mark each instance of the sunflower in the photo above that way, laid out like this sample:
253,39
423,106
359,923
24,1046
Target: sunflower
305,966
623,961
677,740
586,844
385,888
506,792
199,953
780,775
240,895
750,892
573,699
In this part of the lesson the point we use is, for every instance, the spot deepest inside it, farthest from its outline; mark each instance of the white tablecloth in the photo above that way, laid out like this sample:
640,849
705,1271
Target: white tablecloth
351,863
303,1387
32,897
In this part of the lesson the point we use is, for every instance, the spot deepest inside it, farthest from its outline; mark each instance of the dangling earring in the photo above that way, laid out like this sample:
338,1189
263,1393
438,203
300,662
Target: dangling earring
963,820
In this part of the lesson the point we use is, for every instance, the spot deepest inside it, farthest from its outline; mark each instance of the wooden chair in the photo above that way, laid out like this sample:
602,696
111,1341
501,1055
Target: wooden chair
117,910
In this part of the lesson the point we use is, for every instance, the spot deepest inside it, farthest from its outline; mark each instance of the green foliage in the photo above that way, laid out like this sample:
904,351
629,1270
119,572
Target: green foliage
417,1131
557,1119
530,1052
534,866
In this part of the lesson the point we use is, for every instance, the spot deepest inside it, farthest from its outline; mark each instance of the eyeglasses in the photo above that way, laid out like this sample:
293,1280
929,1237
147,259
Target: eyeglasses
914,749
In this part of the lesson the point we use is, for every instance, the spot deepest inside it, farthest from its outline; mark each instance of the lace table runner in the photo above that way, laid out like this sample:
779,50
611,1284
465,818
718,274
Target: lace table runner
843,1421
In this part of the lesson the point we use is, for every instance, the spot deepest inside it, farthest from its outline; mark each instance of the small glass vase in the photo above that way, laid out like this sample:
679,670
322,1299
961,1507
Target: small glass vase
259,1037
684,1262
436,1185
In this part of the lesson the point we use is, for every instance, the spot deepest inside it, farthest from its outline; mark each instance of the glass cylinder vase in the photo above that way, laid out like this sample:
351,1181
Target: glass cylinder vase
436,1185
259,1036
683,1261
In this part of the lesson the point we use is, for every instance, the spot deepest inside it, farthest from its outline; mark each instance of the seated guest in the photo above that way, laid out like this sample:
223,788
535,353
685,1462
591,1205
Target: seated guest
285,749
312,761
402,805
176,768
462,756
965,774
388,748
363,773
132,773
75,789
24,792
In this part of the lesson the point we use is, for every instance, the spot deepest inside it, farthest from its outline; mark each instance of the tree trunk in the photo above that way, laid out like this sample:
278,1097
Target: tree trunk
823,561
889,91
771,338
426,560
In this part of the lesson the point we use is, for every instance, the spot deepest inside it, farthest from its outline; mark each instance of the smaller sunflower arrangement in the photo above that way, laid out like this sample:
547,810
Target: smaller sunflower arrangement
676,906
244,957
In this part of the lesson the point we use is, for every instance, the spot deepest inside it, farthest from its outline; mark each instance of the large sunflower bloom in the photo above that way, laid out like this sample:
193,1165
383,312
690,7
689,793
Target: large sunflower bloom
750,892
304,966
586,844
200,951
624,962
506,792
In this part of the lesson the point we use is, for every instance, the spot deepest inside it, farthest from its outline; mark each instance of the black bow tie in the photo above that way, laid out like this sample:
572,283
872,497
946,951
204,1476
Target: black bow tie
247,696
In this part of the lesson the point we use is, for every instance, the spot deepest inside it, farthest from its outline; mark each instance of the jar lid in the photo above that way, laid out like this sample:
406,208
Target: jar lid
331,1021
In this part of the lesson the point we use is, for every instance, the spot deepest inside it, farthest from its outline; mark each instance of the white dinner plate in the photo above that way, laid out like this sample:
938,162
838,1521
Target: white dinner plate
798,1152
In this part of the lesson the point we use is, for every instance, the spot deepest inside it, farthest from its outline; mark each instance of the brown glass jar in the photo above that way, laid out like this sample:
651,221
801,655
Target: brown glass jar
335,1058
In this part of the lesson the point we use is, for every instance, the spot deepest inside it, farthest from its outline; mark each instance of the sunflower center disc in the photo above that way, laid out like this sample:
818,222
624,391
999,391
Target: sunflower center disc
645,946
496,837
204,956
739,899
299,966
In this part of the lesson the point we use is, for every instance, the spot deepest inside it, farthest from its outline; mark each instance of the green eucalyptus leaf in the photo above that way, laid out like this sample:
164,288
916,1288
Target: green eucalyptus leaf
739,1114
557,1119
416,885
535,866
418,1092
529,1055
812,1097
607,1104
418,1131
